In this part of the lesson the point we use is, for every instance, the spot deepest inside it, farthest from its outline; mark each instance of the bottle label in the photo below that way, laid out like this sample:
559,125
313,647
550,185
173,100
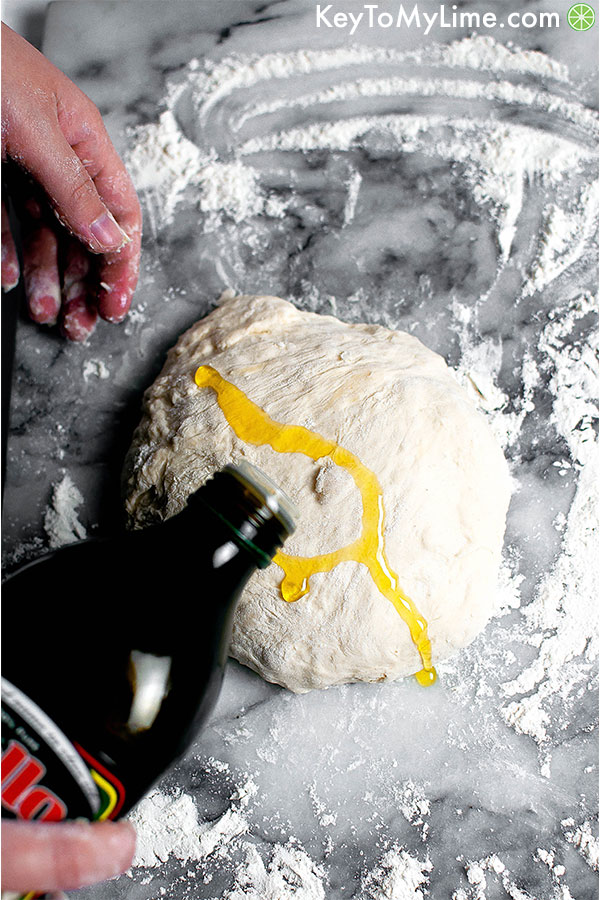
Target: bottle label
44,775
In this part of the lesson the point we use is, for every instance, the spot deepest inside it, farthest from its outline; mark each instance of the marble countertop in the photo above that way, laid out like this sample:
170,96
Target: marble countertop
437,183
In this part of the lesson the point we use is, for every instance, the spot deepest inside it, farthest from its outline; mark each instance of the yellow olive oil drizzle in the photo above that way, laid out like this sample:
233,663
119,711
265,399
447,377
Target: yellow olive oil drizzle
253,425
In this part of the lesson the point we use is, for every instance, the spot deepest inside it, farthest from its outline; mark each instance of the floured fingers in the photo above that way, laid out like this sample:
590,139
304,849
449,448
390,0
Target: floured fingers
10,260
41,275
79,313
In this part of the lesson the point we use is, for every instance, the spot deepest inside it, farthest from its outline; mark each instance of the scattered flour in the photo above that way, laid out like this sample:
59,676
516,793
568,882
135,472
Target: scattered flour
162,163
413,804
168,825
560,622
399,876
565,233
500,158
584,839
548,857
323,817
95,368
289,875
60,521
485,874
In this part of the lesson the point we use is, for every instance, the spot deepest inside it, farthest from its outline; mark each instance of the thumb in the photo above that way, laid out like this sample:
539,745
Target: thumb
72,192
63,856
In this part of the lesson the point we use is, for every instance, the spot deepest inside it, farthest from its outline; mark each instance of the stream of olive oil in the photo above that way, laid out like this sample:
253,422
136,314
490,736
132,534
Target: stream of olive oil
253,425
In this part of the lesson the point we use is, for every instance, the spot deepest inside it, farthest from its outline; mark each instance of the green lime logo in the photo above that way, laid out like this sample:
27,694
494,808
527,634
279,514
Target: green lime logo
581,17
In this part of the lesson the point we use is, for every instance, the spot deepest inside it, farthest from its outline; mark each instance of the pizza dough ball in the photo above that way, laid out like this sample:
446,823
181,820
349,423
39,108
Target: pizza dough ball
394,404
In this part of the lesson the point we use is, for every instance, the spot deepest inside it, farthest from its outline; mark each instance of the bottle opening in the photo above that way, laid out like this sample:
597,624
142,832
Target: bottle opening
256,510
271,494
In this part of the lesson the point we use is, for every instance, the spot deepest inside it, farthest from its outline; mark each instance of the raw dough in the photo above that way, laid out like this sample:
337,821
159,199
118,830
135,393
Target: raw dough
393,403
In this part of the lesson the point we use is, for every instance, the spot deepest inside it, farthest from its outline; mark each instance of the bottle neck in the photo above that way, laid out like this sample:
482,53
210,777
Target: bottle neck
252,514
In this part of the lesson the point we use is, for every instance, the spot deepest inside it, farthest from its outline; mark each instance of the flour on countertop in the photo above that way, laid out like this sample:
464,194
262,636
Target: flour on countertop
323,817
584,839
413,804
399,876
565,233
499,157
60,521
95,368
168,825
290,874
549,858
485,874
560,620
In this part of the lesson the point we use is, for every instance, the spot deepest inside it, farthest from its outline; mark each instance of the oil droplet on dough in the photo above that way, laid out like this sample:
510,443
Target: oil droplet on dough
253,425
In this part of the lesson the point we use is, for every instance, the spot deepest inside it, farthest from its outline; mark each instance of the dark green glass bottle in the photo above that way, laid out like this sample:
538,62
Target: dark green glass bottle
114,650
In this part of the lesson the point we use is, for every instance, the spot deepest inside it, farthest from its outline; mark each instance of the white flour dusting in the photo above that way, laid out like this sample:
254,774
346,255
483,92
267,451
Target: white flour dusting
162,162
95,368
560,620
290,874
323,817
216,81
548,857
565,233
413,804
166,826
60,520
398,876
393,86
169,825
584,839
486,874
499,158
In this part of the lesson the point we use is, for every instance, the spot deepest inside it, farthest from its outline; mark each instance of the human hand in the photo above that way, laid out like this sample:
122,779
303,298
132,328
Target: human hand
80,215
63,856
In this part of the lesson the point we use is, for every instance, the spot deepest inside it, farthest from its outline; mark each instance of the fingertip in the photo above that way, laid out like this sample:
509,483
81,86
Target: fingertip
94,852
78,318
40,275
43,293
121,841
9,268
127,836
118,281
43,305
61,856
113,303
10,276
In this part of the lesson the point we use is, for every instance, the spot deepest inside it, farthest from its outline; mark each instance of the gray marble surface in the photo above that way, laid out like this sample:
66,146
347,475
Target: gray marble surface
488,780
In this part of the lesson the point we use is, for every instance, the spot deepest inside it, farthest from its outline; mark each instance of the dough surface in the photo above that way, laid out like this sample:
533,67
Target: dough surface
393,403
